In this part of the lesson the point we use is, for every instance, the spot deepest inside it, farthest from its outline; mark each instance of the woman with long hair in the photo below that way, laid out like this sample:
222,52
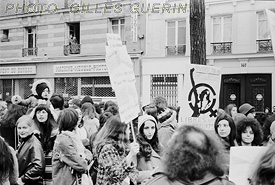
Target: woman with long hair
8,164
8,123
89,124
249,133
45,126
225,129
148,157
70,158
30,154
231,109
115,156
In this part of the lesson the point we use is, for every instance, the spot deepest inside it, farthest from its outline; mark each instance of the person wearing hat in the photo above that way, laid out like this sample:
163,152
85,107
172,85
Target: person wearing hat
248,110
148,158
41,94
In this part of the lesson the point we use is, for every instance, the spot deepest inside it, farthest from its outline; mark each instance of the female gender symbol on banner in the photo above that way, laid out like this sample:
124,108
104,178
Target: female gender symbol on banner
203,101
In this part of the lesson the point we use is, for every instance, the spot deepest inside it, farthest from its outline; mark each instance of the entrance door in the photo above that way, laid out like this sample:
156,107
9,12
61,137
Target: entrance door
254,89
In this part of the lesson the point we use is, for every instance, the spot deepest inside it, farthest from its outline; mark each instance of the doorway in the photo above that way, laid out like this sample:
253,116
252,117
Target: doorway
254,89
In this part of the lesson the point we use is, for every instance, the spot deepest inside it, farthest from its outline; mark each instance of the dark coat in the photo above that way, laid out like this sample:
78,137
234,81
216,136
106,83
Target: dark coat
31,161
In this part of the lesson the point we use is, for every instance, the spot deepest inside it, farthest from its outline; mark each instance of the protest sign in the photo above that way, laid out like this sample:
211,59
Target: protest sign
122,77
200,98
243,160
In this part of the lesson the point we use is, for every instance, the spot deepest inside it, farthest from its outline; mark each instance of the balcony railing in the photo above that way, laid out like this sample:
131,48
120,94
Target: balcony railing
29,52
175,50
221,47
71,49
264,45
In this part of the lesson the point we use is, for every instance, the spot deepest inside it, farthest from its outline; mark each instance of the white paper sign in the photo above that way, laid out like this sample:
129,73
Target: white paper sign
200,98
122,78
243,160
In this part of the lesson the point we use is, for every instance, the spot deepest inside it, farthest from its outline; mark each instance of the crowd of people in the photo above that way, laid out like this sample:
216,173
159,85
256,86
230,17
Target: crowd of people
87,143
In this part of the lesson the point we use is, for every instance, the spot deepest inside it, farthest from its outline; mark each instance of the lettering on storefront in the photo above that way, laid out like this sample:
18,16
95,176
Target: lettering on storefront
80,68
18,70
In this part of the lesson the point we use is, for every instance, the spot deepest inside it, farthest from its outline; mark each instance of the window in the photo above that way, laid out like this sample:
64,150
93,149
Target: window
5,37
264,43
118,27
72,45
222,34
176,37
165,85
222,29
263,30
30,42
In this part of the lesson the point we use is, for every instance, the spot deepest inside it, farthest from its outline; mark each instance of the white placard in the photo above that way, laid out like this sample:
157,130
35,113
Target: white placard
243,160
122,78
200,98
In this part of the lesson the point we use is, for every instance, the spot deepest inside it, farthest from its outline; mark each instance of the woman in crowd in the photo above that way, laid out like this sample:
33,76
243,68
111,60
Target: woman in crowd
30,154
148,157
231,110
249,133
114,155
89,124
8,164
8,123
45,126
265,169
226,130
70,158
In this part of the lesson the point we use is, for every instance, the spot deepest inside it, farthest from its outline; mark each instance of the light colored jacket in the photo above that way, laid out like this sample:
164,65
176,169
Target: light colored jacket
65,159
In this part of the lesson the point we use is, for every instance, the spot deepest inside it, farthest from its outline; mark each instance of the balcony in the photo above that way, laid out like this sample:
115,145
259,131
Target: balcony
264,45
221,48
175,50
71,49
29,52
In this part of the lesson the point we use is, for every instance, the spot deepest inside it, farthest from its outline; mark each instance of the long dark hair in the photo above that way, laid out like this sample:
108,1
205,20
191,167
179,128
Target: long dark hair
113,132
45,128
6,161
256,128
154,142
232,136
13,113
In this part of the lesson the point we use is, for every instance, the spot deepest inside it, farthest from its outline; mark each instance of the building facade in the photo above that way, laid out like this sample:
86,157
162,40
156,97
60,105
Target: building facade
64,42
237,40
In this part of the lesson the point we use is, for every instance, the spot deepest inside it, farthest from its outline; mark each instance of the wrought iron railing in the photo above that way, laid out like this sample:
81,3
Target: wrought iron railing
175,50
71,49
264,45
29,52
221,47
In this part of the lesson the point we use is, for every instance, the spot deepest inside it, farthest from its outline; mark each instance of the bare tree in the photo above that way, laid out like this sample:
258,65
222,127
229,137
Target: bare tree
197,32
